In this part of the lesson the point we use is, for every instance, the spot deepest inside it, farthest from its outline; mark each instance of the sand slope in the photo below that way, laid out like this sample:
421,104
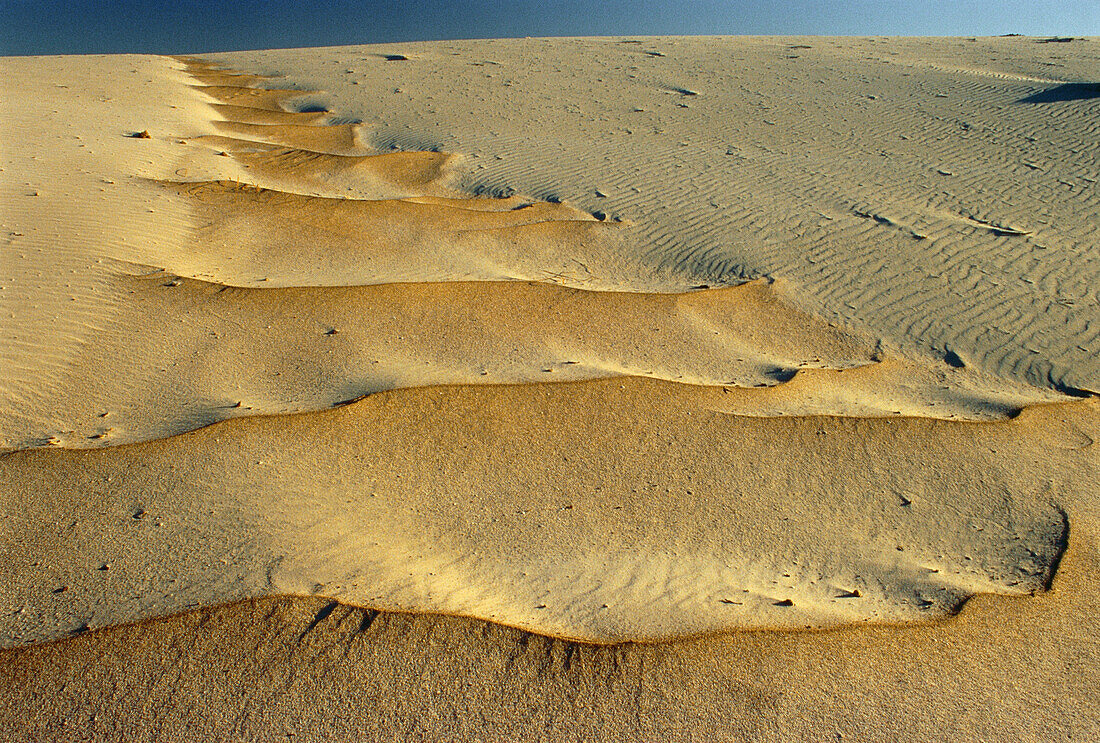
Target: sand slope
489,367
324,671
309,349
341,230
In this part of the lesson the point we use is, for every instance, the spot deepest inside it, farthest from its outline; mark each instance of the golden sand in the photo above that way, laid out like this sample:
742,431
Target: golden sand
415,441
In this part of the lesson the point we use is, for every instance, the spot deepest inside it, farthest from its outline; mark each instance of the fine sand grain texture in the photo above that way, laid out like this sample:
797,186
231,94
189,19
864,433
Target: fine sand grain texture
574,389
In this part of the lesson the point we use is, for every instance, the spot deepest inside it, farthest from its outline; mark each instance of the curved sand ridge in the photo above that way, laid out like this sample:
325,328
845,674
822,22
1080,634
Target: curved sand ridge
227,351
603,510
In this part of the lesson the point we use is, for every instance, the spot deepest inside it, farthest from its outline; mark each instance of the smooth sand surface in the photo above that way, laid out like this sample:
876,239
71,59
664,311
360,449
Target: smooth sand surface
582,388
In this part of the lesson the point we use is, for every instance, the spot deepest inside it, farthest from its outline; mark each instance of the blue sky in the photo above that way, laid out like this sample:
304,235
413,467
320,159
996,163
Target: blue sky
110,26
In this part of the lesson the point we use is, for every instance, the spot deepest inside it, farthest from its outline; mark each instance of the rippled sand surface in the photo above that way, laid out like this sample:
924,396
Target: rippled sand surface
652,388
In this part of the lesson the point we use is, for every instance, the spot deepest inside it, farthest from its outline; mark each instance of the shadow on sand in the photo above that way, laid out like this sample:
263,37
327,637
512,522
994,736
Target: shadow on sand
1065,92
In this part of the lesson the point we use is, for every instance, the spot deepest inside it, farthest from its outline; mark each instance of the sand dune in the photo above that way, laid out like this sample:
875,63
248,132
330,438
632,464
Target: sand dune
388,175
252,235
602,511
1002,670
309,349
342,139
312,348
251,92
485,316
249,115
347,329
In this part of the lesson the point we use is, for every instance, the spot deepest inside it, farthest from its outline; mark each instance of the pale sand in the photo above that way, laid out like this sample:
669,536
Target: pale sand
780,455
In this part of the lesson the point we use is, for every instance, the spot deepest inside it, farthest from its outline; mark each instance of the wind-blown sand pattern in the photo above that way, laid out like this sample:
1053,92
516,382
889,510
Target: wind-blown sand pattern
786,341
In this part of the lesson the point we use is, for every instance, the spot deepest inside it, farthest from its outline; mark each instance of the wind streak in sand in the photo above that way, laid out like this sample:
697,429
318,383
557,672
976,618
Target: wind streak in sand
601,511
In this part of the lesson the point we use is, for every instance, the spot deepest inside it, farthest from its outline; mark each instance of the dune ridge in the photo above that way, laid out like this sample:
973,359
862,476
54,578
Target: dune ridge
337,249
323,670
